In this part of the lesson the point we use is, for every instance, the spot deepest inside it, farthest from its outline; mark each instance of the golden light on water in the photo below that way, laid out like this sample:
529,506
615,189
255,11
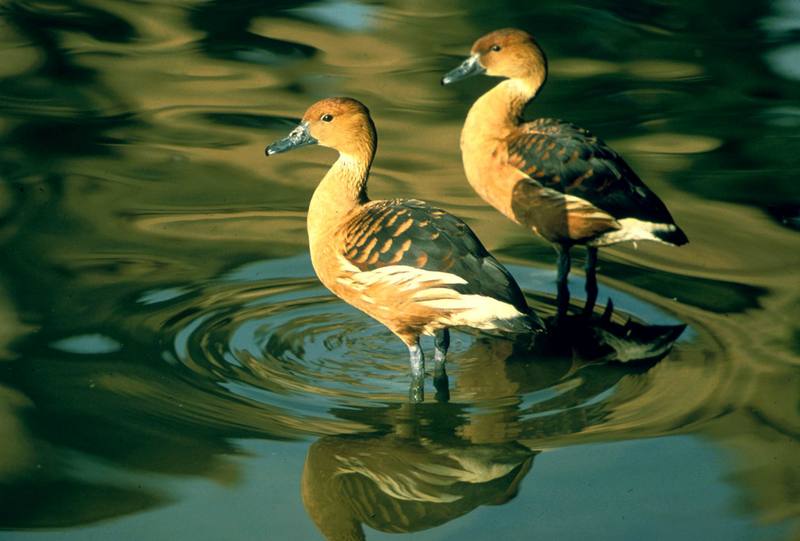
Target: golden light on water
140,220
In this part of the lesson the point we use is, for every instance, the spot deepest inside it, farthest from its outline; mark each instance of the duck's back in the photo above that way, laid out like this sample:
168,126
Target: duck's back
571,160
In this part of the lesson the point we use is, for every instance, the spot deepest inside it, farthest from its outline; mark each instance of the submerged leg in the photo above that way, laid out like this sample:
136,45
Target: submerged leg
591,280
440,380
416,389
442,344
562,299
442,385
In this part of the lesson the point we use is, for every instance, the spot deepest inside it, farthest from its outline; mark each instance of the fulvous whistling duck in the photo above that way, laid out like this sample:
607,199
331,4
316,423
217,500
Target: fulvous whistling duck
415,268
549,175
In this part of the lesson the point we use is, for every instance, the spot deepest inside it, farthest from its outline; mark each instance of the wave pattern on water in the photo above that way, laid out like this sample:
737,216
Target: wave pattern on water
267,334
157,307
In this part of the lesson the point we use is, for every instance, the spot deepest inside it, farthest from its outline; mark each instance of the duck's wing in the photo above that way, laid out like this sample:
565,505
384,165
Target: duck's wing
410,240
570,160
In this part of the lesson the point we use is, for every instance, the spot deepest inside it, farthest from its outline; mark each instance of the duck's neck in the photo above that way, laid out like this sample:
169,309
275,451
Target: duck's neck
491,120
343,188
499,111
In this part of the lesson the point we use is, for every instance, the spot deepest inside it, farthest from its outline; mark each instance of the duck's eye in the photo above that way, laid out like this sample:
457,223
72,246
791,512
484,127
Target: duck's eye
326,118
496,48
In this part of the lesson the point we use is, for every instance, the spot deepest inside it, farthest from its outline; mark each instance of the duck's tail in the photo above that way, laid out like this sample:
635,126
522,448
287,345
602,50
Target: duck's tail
671,234
527,334
534,323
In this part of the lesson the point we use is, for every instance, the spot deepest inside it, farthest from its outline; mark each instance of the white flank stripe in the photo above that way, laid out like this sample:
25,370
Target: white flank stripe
404,277
457,310
478,312
434,294
633,229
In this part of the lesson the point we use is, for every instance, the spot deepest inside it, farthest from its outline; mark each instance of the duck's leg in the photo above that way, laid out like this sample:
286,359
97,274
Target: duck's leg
440,379
591,280
442,385
416,359
562,299
442,344
416,389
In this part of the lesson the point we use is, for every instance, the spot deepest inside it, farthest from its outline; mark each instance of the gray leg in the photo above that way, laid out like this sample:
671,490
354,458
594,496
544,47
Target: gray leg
591,280
416,389
442,344
417,360
562,300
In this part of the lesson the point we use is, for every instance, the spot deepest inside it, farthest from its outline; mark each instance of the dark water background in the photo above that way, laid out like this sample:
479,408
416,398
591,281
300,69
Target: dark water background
169,364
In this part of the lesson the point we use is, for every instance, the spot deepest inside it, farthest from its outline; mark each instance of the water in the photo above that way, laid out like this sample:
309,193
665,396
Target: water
171,368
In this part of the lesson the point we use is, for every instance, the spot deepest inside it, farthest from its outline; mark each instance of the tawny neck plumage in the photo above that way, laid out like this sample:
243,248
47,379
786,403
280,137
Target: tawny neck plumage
493,118
499,111
343,188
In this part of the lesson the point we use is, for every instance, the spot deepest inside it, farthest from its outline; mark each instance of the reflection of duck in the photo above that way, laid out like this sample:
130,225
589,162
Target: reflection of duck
570,343
423,475
599,339
416,269
395,483
551,176
553,393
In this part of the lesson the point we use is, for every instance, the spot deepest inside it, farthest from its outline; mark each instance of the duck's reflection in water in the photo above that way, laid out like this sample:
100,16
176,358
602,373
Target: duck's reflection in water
406,481
430,463
570,342
600,339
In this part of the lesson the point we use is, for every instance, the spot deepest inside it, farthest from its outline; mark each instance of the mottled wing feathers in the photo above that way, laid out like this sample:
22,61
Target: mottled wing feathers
412,233
569,159
406,233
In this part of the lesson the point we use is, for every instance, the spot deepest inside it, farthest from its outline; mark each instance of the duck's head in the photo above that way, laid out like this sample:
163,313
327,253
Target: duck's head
509,53
343,124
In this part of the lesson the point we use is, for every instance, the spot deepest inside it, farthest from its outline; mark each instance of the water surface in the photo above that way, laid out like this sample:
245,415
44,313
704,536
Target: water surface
171,368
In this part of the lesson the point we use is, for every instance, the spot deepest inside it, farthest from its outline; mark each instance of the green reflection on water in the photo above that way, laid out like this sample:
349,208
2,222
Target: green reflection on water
141,227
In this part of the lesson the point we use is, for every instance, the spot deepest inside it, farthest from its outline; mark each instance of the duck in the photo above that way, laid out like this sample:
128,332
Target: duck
553,177
415,268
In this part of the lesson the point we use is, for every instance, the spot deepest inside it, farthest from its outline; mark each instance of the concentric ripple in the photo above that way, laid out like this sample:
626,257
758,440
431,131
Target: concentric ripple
282,341
268,333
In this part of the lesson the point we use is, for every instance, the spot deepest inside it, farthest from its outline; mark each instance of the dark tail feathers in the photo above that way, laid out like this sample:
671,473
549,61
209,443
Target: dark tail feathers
675,236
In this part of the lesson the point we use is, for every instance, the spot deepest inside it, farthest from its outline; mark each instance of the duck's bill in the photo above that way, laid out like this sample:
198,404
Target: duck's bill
298,137
468,68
